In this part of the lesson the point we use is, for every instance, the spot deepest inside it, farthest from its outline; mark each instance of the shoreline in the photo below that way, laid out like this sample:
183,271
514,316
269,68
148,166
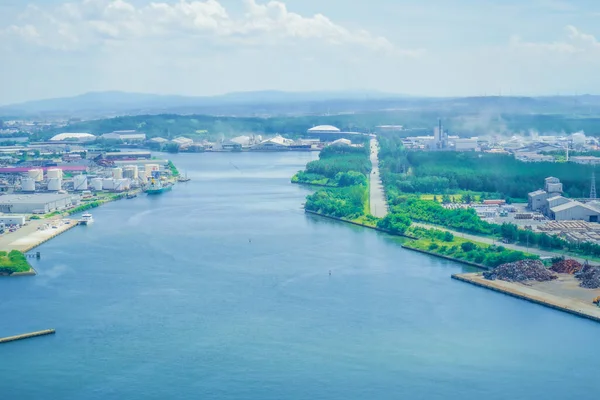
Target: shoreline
533,295
358,224
469,263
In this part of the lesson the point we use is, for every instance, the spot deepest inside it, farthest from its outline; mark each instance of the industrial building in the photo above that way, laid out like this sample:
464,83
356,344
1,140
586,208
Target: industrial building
466,144
127,155
538,200
586,160
72,136
574,210
276,143
329,133
12,220
36,203
125,136
551,203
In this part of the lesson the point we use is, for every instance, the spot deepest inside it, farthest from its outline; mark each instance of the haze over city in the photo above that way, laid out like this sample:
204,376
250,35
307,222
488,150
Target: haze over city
56,48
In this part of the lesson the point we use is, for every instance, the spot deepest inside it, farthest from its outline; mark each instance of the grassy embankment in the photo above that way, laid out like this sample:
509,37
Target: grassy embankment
13,262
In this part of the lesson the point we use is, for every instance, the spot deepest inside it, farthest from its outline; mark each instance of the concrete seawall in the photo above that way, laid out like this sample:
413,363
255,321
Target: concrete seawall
27,335
568,305
472,264
358,224
37,238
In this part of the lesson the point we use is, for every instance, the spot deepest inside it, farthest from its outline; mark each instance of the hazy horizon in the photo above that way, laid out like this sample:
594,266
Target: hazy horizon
61,48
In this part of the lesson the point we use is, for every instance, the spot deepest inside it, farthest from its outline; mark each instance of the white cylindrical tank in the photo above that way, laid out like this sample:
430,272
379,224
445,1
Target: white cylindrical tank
28,185
96,183
117,173
54,184
108,184
122,184
130,171
54,173
80,182
36,174
578,138
149,168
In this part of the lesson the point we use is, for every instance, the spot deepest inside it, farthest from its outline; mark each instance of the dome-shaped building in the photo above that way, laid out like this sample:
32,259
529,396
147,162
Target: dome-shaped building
324,129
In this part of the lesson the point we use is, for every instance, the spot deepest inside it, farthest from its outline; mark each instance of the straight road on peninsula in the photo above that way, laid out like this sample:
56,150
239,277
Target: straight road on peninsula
377,200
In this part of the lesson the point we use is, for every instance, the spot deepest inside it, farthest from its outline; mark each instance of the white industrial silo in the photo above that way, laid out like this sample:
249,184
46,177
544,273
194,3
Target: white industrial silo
148,168
130,171
54,184
80,182
117,173
578,139
28,185
96,183
36,174
122,184
108,184
54,173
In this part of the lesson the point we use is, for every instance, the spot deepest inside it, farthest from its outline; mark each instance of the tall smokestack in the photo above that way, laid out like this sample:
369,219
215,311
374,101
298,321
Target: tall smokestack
440,126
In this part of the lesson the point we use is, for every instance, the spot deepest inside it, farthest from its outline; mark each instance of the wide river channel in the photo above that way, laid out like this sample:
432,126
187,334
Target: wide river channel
220,289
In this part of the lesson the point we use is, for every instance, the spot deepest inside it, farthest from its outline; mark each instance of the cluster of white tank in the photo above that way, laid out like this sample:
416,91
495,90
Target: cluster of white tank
130,172
96,183
149,168
36,174
117,173
80,182
118,185
28,184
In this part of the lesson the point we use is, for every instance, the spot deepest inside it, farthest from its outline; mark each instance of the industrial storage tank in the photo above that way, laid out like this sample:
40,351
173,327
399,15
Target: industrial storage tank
122,184
117,173
36,174
108,184
54,173
80,182
149,168
130,171
54,184
28,185
578,138
96,183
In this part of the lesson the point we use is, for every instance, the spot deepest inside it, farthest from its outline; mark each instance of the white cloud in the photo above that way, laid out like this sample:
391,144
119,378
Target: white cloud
575,41
79,25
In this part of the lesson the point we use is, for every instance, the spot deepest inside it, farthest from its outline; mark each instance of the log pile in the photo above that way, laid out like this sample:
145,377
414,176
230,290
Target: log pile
566,267
521,271
589,276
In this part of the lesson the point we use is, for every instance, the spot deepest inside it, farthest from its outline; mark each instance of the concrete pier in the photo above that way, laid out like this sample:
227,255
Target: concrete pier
29,237
27,335
566,304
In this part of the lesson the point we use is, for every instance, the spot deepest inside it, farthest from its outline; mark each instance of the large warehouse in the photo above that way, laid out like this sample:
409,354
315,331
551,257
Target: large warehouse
36,203
329,133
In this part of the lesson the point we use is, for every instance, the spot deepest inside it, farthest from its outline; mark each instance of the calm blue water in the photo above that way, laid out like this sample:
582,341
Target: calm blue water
166,298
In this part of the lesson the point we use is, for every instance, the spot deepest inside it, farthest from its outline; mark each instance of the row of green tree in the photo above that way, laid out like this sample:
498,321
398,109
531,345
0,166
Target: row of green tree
346,202
443,243
339,166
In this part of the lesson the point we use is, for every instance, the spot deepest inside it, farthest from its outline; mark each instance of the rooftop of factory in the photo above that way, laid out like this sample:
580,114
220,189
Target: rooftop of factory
32,198
73,135
324,128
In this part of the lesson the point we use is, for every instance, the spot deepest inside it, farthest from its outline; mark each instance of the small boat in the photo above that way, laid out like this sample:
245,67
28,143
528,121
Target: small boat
183,178
131,196
86,219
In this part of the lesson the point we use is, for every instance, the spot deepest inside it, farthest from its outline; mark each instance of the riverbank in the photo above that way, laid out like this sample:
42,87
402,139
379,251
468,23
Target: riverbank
562,294
374,227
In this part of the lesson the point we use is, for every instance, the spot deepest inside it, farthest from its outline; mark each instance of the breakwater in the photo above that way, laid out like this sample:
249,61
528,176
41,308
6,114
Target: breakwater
27,335
568,305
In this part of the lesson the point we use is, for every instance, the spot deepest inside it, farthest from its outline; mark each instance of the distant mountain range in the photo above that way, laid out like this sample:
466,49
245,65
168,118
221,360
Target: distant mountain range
112,103
97,105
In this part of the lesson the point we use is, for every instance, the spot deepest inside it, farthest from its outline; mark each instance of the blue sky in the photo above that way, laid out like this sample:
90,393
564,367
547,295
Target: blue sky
55,48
